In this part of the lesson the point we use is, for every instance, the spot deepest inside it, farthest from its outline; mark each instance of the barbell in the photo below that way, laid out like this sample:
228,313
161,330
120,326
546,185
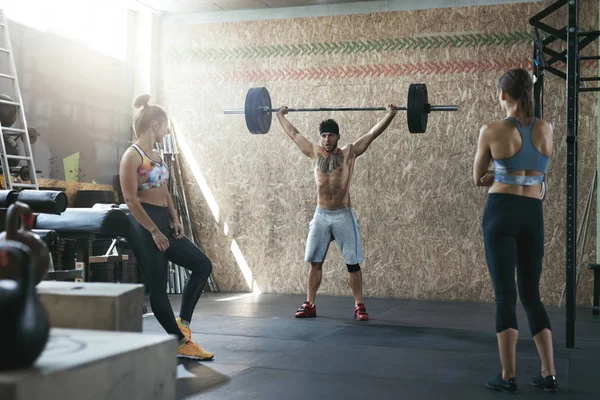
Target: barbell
258,110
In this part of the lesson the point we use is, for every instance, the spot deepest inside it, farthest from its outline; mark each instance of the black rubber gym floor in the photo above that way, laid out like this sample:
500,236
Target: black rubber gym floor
408,350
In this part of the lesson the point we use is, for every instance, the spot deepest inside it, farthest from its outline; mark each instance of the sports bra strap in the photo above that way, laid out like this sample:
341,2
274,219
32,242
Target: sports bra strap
143,154
139,150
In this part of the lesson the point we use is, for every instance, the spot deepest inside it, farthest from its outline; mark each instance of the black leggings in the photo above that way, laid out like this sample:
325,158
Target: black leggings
154,265
513,231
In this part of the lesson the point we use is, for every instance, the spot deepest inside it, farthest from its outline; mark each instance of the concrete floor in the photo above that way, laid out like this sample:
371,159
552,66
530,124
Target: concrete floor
408,350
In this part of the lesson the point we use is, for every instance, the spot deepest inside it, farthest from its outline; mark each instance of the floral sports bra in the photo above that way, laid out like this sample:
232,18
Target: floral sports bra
151,174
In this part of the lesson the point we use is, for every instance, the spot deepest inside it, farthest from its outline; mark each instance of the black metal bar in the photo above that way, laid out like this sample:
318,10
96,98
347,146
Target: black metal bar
551,31
590,79
539,63
587,41
562,56
557,72
596,290
587,33
589,57
402,108
556,56
538,89
336,109
551,39
546,11
572,126
589,89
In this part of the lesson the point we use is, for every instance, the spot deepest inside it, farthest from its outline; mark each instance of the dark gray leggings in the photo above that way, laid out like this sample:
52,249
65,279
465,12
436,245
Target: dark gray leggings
513,231
154,266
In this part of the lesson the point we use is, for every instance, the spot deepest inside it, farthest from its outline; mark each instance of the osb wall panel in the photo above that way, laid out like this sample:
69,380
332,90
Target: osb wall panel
419,212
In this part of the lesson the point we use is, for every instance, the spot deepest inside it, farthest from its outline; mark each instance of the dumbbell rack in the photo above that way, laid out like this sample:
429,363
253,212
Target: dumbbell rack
21,130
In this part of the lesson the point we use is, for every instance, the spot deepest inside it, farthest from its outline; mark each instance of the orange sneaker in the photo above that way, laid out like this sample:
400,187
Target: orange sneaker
192,351
185,329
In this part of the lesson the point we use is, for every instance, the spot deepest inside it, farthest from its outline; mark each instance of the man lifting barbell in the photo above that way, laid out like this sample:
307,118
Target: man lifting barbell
334,218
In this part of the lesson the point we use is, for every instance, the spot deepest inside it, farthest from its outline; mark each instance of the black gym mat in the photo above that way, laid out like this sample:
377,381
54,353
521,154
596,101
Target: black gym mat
409,350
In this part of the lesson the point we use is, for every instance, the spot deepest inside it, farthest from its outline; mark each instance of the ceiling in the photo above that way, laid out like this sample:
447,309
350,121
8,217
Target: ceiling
206,6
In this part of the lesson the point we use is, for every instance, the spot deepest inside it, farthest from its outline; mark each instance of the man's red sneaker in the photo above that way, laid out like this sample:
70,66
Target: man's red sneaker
360,312
306,311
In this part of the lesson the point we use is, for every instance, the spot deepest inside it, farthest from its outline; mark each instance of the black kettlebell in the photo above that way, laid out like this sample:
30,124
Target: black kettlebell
24,327
15,229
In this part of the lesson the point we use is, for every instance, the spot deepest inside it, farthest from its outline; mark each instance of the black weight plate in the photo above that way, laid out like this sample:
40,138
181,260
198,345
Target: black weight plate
250,112
417,108
257,120
24,173
264,101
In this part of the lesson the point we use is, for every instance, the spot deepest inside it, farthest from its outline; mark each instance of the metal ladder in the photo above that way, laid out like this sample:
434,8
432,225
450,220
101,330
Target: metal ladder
19,131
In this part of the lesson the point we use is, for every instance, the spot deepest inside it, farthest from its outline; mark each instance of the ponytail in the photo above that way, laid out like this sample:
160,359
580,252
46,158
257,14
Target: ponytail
518,84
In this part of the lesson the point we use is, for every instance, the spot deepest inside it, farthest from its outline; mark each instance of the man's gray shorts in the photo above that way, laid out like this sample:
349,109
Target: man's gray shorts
339,225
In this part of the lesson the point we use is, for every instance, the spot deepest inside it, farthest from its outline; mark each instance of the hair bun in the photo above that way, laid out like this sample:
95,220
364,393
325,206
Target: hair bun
142,100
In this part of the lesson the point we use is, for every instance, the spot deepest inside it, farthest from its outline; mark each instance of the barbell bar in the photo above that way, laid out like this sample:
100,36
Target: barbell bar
403,108
258,110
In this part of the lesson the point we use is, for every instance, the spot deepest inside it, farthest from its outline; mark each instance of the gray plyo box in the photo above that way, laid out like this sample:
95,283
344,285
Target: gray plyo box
94,365
90,305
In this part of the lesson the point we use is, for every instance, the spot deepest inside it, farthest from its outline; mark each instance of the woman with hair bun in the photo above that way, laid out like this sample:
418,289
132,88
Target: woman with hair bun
520,147
156,235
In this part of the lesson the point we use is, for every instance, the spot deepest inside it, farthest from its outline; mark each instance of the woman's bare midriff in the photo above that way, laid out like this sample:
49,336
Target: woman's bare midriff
519,190
155,197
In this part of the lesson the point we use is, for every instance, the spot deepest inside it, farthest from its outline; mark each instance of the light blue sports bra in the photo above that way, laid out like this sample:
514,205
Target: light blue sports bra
528,158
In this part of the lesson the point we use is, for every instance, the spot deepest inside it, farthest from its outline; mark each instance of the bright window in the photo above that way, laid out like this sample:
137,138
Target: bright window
100,25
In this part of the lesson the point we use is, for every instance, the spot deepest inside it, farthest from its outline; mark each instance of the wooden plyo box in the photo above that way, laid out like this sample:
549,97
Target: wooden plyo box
94,365
90,305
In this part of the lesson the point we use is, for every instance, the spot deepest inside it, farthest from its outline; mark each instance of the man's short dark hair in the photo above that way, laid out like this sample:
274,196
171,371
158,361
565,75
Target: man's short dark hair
329,125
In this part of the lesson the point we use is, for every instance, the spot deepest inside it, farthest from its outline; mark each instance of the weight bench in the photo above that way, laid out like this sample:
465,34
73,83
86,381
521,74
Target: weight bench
51,239
596,303
53,221
84,225
40,201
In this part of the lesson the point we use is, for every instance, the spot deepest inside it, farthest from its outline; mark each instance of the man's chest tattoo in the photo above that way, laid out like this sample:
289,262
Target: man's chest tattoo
329,164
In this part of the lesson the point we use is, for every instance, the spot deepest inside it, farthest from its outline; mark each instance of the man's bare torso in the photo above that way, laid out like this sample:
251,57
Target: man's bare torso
333,172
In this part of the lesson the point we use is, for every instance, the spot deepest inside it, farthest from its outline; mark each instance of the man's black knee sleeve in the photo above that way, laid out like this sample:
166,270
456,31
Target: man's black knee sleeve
353,267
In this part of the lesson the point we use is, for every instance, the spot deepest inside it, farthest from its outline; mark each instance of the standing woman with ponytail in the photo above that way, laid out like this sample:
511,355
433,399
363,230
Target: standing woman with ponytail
156,234
520,147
